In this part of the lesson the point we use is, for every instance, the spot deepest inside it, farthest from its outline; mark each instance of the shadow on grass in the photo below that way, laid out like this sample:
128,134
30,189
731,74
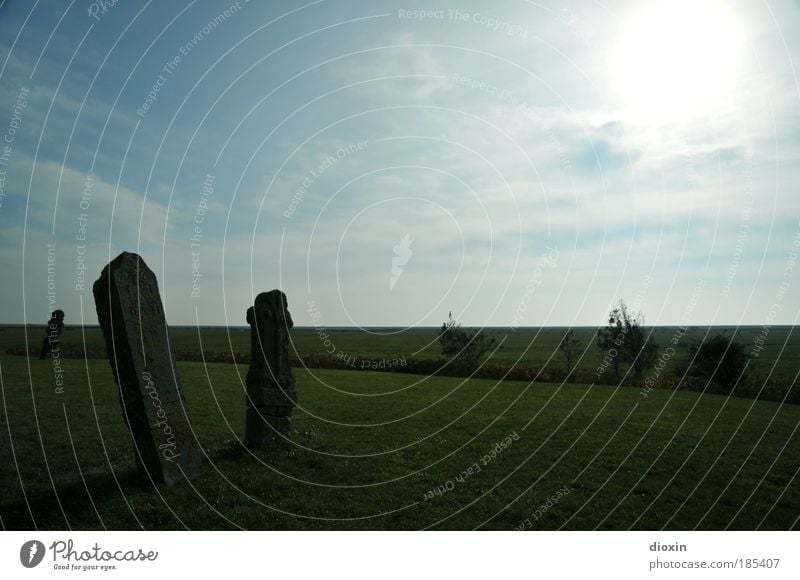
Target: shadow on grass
103,500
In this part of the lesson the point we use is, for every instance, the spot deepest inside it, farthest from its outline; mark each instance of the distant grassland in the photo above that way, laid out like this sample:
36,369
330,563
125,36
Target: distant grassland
535,347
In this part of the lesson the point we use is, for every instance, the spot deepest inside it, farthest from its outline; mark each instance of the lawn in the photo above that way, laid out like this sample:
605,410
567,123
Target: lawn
400,451
780,357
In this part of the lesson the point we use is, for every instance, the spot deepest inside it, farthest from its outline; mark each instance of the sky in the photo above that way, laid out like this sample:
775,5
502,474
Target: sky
515,163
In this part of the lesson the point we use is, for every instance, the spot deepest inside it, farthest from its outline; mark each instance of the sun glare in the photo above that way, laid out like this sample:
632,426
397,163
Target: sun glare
675,59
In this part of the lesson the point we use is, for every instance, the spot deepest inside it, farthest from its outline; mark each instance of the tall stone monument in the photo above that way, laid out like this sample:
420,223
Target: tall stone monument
132,318
270,384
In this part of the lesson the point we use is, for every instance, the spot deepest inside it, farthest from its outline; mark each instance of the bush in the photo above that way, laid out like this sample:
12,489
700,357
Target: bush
570,348
463,347
625,340
719,359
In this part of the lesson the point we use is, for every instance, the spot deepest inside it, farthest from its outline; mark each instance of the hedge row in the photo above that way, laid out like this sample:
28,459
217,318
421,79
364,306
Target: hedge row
753,387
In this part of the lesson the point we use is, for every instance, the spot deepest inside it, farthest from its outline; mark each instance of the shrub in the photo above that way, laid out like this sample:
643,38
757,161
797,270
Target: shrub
570,348
719,359
625,340
463,347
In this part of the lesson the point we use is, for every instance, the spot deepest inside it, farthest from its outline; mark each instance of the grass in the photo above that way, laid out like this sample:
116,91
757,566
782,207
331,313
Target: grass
370,448
524,346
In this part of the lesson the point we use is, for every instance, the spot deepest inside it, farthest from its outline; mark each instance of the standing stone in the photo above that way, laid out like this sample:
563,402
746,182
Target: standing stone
132,318
270,384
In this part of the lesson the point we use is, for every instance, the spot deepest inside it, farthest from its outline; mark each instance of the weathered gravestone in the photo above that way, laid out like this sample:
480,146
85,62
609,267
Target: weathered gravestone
132,318
270,384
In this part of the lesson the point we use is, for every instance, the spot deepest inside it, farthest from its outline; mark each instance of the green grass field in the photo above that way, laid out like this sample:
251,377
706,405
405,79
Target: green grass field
400,451
524,346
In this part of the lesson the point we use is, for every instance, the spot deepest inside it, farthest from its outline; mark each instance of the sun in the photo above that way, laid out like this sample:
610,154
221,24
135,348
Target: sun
675,58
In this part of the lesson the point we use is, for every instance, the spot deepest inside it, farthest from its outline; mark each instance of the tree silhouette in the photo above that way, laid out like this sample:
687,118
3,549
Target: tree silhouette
570,347
463,347
719,359
625,341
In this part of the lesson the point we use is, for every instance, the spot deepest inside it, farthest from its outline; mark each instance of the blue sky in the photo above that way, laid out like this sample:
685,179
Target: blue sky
544,159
